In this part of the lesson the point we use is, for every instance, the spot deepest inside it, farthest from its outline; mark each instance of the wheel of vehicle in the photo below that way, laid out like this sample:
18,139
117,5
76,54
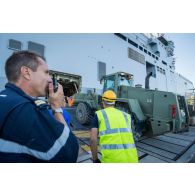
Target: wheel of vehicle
83,113
135,128
134,125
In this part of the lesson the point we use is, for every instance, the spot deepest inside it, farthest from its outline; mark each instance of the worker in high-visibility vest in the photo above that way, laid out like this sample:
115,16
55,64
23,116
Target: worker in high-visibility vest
114,130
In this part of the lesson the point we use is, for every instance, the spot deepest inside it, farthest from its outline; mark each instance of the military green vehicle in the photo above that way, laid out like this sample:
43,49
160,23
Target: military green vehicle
71,83
153,112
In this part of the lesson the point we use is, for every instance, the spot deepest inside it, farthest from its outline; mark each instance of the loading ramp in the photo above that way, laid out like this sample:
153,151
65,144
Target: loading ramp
167,148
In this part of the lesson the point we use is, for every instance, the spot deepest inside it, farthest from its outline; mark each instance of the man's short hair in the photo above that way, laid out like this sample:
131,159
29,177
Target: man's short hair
109,103
17,60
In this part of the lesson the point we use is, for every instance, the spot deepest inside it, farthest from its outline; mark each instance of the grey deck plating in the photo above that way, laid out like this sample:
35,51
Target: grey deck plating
172,148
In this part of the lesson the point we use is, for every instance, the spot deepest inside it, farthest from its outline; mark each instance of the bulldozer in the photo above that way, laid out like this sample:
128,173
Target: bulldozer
153,112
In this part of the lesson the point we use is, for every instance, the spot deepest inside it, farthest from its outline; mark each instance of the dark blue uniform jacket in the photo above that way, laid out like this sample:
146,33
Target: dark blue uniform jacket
28,133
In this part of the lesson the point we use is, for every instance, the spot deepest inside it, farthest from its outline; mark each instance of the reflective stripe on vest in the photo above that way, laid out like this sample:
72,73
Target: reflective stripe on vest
116,130
117,146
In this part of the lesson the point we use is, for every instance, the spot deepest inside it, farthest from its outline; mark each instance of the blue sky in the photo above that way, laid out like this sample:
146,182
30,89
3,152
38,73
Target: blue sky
184,53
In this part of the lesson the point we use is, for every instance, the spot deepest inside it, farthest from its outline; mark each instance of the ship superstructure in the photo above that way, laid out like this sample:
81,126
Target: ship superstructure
93,55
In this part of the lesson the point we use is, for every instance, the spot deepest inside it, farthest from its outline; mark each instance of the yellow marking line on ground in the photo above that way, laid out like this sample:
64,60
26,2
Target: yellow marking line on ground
80,132
86,148
83,134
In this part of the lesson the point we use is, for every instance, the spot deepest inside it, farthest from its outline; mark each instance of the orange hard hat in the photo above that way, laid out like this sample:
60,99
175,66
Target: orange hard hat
109,96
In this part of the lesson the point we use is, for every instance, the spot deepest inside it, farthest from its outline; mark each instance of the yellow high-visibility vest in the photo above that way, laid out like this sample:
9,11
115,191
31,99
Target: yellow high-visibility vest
116,137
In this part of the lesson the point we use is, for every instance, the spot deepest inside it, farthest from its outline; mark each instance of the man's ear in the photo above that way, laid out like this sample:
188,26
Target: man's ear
103,104
25,72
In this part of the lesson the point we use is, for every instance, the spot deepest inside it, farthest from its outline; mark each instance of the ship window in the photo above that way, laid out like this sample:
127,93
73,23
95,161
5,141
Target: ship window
158,68
14,45
163,71
134,55
153,55
164,62
150,68
156,58
132,43
121,36
149,54
101,70
141,48
145,51
36,47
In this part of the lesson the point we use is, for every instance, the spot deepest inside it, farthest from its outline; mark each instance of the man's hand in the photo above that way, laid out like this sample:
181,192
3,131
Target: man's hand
56,99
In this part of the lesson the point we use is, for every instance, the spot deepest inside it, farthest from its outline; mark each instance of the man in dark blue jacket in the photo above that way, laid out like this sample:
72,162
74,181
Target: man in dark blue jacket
28,133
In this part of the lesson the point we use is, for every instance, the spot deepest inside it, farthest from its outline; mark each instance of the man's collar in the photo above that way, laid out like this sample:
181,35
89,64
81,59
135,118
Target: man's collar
18,90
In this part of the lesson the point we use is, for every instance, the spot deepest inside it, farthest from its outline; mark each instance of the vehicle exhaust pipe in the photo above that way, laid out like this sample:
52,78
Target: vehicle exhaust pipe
147,85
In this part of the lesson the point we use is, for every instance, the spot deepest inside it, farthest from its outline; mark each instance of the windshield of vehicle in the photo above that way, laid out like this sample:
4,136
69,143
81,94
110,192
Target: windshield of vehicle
109,83
125,80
